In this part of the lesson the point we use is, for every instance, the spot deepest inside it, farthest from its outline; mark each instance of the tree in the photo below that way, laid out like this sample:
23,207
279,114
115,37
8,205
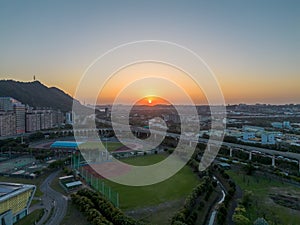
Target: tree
240,210
240,219
260,221
179,223
249,168
247,198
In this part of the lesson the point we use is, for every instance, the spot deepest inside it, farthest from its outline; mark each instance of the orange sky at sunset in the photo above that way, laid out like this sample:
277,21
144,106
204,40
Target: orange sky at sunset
151,79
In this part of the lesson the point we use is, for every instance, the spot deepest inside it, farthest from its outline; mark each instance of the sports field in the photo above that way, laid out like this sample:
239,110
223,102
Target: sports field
20,162
176,187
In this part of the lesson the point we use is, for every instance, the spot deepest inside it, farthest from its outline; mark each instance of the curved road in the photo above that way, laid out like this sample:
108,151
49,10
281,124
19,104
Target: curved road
213,214
53,199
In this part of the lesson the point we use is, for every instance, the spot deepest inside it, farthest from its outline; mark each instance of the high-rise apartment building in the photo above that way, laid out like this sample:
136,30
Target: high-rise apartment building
7,123
69,118
33,121
20,110
16,118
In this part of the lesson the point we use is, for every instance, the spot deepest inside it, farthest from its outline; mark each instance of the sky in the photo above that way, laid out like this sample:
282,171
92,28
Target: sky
252,47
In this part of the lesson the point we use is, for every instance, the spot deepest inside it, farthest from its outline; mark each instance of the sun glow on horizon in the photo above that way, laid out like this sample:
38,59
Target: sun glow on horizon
152,82
152,101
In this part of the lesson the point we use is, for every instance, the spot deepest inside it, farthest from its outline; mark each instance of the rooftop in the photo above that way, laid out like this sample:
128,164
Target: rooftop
66,144
8,190
73,184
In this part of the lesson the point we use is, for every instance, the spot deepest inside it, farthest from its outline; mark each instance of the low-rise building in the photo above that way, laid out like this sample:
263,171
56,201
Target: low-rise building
255,129
248,135
268,138
15,200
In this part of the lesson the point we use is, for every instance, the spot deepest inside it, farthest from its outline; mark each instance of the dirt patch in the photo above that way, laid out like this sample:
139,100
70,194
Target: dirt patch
129,148
285,191
146,211
288,201
107,169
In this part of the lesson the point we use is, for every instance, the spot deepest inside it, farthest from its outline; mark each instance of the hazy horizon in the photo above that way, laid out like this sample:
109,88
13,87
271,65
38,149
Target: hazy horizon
110,103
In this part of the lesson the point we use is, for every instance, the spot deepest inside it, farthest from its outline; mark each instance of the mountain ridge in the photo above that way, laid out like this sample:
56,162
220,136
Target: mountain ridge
37,95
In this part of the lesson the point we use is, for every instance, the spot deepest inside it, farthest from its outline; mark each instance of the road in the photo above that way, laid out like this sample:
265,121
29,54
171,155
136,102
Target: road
219,143
203,140
291,155
52,199
213,214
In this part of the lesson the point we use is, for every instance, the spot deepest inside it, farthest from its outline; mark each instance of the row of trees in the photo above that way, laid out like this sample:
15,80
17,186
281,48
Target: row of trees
186,215
99,210
12,145
87,207
239,216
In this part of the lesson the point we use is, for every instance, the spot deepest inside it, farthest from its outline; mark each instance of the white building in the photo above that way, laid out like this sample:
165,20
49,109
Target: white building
255,129
69,118
248,135
268,138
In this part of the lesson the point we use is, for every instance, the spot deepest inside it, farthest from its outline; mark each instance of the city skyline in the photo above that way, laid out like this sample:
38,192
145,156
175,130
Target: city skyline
252,47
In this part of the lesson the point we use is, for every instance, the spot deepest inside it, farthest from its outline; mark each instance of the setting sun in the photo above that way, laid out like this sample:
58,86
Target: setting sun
152,101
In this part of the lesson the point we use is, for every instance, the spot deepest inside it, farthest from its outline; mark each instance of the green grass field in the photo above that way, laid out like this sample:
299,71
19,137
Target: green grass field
31,218
111,146
55,183
262,205
176,187
144,160
74,217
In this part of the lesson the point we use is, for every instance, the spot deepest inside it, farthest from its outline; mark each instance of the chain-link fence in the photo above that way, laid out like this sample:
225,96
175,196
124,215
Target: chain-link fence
94,181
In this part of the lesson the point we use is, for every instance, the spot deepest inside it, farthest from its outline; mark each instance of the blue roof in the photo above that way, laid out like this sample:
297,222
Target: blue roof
73,184
65,144
224,164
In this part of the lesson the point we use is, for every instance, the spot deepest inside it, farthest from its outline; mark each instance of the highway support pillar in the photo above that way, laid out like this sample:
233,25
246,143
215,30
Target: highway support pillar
273,160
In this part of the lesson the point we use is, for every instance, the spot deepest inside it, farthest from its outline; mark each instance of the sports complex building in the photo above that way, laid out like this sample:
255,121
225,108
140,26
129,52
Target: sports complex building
15,200
65,146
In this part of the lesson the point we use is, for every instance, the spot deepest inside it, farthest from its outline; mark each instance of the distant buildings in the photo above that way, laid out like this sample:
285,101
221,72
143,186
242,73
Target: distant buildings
16,118
282,125
69,118
255,129
256,134
172,117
